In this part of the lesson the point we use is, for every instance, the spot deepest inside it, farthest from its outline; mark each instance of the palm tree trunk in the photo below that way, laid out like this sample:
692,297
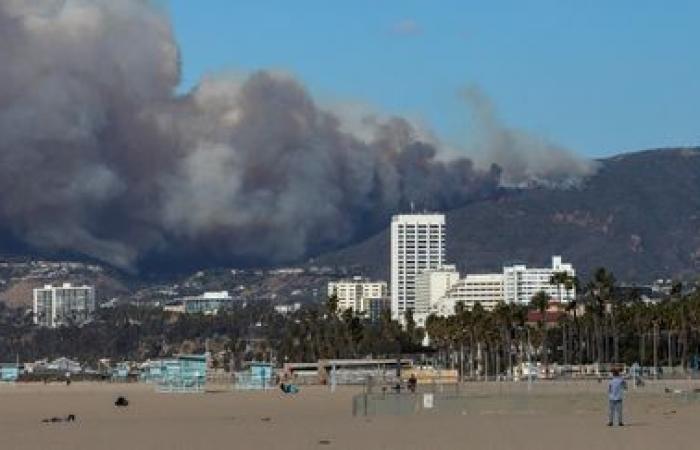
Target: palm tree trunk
564,344
656,346
670,355
498,360
641,347
486,352
684,354
461,362
545,354
616,347
471,357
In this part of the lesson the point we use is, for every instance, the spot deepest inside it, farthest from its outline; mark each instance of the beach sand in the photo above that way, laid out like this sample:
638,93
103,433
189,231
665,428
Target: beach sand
567,416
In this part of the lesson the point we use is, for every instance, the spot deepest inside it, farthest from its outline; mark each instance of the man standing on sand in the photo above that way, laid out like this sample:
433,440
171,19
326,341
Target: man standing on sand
616,388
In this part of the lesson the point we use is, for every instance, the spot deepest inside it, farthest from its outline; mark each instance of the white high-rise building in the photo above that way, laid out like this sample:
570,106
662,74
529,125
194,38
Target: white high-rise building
417,244
485,289
357,292
431,285
521,283
63,305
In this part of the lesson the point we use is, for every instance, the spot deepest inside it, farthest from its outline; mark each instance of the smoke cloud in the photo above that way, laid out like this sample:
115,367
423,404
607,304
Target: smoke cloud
525,159
99,156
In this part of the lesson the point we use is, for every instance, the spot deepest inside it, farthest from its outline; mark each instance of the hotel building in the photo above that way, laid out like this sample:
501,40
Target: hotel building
417,244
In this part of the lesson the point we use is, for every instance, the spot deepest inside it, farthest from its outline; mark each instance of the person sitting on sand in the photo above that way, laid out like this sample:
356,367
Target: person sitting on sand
412,383
616,388
289,388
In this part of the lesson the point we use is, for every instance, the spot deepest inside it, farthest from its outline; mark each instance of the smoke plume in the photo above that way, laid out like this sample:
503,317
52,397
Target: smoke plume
99,156
525,159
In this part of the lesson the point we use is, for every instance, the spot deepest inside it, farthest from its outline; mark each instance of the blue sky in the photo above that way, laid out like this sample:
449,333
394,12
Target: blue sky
599,77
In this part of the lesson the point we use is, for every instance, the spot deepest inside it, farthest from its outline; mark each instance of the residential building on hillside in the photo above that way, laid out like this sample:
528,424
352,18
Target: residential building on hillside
417,244
288,308
521,283
54,306
486,289
206,303
355,293
431,285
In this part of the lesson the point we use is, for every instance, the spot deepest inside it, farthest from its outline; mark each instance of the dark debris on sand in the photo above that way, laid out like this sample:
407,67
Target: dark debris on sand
68,418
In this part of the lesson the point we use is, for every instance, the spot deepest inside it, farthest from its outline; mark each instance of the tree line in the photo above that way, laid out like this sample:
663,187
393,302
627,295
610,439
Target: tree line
602,324
251,331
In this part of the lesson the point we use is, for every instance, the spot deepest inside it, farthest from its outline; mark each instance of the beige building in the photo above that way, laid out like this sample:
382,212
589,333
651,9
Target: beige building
486,289
356,293
431,286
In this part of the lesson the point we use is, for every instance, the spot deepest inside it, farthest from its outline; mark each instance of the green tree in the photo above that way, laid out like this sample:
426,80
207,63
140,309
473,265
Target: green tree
540,303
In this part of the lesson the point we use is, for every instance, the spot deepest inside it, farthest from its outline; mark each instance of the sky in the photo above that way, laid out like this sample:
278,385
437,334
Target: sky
597,77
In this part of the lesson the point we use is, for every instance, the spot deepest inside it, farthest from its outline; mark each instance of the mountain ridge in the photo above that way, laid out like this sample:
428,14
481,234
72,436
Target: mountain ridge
639,216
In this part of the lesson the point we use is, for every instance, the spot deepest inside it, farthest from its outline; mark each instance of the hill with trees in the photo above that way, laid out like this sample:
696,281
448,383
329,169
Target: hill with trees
639,216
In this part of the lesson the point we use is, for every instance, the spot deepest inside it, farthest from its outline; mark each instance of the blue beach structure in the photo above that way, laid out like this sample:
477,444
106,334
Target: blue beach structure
121,372
9,372
257,376
183,374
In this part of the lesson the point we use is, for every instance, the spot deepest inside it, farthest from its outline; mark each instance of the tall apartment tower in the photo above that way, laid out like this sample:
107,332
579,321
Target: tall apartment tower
417,244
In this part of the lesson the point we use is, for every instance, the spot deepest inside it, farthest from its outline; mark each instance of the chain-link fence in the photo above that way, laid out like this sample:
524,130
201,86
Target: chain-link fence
566,397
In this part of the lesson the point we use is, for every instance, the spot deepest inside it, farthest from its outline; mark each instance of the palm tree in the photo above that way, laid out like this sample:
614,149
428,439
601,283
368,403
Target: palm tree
504,319
519,319
567,282
558,279
477,321
464,333
540,303
332,304
438,332
600,298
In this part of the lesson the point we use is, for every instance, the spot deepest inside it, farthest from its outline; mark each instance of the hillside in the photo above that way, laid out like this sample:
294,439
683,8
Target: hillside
639,216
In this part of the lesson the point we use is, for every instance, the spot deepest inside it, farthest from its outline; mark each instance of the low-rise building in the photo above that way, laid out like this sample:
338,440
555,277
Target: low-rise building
288,308
516,284
431,286
206,303
521,283
485,289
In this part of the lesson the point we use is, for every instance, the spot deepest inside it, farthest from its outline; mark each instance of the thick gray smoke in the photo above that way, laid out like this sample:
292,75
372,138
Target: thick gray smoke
99,156
525,159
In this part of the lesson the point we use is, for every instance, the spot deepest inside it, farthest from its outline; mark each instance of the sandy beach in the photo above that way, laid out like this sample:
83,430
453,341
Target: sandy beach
560,415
